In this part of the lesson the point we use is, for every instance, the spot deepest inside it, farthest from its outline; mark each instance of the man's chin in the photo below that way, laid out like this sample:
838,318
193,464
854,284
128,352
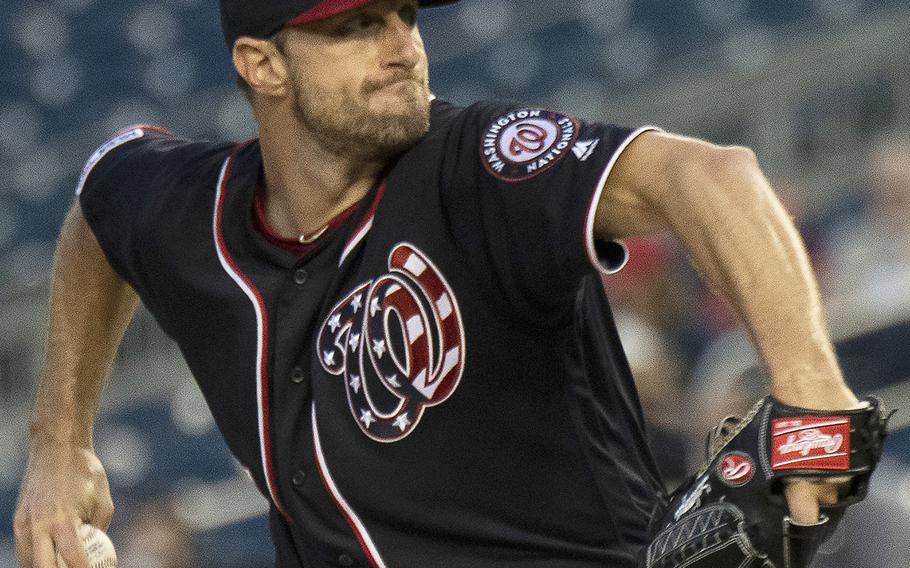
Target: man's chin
402,128
393,140
388,124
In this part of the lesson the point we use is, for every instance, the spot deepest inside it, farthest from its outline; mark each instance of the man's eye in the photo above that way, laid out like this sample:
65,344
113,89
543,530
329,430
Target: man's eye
358,24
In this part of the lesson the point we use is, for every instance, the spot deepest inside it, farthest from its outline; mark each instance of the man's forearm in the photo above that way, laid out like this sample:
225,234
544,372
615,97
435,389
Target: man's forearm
743,241
89,309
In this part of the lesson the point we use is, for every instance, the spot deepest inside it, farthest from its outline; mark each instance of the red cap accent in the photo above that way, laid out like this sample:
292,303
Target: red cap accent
326,9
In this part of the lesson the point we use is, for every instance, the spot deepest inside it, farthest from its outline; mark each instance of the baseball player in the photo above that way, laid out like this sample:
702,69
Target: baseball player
393,305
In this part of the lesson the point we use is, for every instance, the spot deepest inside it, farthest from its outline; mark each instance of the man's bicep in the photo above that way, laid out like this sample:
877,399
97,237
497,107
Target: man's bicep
644,175
90,305
81,262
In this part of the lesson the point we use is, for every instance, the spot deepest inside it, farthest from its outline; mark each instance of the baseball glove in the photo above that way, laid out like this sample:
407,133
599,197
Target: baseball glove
733,513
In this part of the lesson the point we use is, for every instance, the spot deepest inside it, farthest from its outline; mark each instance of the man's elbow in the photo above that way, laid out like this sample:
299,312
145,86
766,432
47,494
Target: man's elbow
702,161
731,161
722,174
686,181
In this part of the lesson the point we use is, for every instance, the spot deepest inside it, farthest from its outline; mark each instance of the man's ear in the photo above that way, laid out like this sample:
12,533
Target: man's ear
261,65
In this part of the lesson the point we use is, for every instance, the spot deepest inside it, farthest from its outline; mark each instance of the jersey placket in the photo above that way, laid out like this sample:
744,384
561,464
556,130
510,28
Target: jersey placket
304,483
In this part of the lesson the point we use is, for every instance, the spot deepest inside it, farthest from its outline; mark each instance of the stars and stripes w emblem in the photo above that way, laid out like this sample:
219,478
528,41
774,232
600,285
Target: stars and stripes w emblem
398,343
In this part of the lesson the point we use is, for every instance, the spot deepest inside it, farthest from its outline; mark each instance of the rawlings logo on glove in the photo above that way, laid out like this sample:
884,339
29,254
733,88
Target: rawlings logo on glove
733,514
819,443
736,469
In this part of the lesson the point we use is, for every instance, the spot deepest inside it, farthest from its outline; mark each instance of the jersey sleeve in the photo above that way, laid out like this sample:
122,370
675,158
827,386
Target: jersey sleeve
522,185
116,185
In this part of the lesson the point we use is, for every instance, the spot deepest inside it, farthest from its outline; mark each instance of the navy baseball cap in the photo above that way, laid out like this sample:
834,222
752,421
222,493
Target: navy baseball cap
262,19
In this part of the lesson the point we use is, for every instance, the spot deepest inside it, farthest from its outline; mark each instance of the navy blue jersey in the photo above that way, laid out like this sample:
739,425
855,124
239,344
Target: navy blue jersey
439,382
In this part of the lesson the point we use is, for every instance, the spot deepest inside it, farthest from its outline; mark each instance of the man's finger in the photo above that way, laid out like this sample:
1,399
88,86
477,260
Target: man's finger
802,498
43,555
102,514
22,532
69,545
828,493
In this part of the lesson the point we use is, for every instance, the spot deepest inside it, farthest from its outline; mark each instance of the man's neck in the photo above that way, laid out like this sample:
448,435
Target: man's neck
306,185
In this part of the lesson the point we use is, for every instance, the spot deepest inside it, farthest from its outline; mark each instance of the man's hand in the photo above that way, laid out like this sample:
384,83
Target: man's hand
64,486
805,496
732,514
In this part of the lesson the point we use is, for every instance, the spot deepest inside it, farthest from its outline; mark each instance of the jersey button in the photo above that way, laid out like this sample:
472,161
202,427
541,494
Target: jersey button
297,375
345,560
300,276
298,478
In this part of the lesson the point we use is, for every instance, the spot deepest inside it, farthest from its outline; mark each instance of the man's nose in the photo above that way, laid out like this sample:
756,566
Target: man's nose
400,46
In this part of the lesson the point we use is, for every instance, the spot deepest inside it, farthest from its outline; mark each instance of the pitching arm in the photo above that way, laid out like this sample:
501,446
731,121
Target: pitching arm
740,238
64,484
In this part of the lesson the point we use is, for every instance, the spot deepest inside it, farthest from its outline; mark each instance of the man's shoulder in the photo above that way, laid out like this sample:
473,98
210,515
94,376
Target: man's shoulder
465,127
445,113
159,144
455,131
152,152
452,126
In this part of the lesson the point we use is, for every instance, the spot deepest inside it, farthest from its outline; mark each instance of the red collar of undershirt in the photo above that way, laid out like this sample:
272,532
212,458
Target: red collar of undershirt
293,246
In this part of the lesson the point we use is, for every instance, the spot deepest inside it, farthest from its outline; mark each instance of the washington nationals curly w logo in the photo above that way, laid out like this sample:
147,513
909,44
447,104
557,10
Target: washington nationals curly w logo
402,333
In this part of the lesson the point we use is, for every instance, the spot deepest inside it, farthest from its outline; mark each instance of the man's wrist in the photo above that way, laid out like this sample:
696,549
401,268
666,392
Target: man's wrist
56,432
811,387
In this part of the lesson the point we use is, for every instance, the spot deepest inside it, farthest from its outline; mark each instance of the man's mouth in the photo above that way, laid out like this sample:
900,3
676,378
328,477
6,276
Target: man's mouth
395,81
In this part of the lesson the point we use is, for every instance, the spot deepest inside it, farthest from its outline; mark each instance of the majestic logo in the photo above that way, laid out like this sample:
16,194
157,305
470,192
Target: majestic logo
398,342
735,469
584,149
524,143
811,443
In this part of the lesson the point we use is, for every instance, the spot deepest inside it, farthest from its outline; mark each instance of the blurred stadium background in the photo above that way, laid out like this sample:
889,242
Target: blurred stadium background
819,88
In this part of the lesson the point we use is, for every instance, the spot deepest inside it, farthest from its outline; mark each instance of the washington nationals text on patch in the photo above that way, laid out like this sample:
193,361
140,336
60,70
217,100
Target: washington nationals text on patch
524,143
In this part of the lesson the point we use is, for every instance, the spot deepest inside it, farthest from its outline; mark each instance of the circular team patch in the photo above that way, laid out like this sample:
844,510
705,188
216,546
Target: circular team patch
519,145
736,469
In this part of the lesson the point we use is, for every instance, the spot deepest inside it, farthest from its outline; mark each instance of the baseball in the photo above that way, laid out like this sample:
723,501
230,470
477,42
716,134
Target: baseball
98,547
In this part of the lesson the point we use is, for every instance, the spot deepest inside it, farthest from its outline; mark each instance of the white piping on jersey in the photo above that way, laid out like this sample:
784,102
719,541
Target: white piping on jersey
366,542
356,240
228,267
118,140
592,209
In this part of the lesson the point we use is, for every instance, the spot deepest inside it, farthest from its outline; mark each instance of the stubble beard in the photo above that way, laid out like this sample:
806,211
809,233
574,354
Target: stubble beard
344,125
